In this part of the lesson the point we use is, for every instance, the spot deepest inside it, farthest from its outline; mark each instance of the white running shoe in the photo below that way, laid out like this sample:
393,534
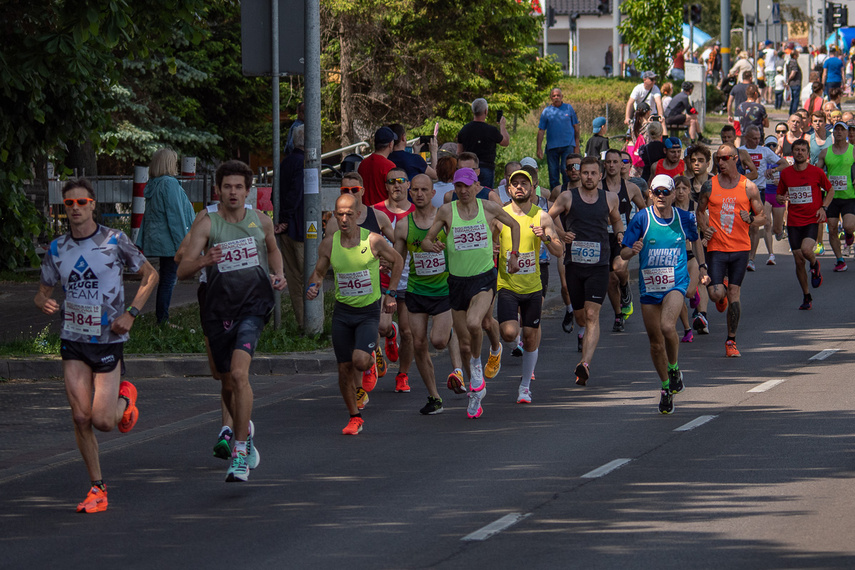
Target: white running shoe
253,457
474,410
524,395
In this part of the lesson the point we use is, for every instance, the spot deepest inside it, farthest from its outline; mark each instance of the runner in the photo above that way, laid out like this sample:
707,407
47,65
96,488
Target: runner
427,293
627,194
240,251
672,164
354,253
774,209
839,160
802,185
88,261
698,157
683,201
472,272
573,164
745,166
734,204
658,235
587,213
520,293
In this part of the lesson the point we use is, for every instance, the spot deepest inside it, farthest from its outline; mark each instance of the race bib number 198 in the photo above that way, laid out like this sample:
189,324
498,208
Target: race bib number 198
658,279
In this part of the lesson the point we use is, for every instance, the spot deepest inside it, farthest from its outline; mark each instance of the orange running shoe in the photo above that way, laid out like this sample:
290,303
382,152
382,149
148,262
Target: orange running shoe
722,305
361,398
95,501
494,364
369,378
380,362
730,349
402,383
353,427
131,414
455,383
392,343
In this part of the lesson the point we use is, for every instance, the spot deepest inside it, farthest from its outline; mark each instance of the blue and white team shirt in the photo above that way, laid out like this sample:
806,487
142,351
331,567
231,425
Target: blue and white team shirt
90,270
663,263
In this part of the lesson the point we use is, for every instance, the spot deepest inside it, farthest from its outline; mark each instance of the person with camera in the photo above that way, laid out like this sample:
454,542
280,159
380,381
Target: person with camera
411,162
682,112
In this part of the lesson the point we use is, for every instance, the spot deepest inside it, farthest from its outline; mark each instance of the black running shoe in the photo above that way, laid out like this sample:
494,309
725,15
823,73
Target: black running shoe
625,295
567,323
618,326
666,403
675,381
433,406
579,345
518,350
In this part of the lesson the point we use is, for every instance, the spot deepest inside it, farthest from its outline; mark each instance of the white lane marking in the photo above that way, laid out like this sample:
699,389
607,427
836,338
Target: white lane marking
496,527
605,469
768,385
699,421
824,354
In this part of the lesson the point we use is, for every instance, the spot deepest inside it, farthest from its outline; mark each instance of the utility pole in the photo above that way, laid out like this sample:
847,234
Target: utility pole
725,37
616,49
274,189
313,311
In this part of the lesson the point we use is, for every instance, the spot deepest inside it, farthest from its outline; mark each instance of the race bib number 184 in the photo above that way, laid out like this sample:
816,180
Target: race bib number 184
82,319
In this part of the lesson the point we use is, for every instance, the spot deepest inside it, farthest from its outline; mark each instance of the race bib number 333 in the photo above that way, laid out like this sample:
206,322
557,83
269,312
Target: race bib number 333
238,254
470,237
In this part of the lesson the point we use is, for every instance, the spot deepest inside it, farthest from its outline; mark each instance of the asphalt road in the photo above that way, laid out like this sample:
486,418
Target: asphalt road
766,482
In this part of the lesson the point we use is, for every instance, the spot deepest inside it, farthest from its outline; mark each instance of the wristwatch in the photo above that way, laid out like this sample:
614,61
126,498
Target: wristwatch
133,311
703,266
392,293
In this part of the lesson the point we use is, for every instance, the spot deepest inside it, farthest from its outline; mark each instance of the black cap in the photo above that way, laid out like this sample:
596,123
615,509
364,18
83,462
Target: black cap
688,86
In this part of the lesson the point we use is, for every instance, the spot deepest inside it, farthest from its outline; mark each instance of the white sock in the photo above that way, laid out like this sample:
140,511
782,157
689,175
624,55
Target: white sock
240,446
569,308
529,360
581,332
476,379
517,341
494,352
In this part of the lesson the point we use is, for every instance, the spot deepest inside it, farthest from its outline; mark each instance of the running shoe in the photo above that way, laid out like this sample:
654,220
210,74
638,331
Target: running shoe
455,383
433,407
805,306
524,395
361,398
675,381
223,447
95,501
626,310
819,249
567,323
380,362
701,324
722,304
518,350
751,266
494,364
780,236
815,276
131,413
666,403
850,239
392,343
369,378
238,471
474,410
253,457
582,373
688,336
841,266
771,260
353,427
402,382
618,326
695,300
625,295
730,349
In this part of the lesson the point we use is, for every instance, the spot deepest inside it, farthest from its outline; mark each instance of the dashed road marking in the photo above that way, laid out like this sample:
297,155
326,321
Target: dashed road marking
699,421
496,527
768,385
605,469
824,354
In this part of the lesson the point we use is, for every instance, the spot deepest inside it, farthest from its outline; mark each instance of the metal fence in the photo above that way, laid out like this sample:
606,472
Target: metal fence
119,189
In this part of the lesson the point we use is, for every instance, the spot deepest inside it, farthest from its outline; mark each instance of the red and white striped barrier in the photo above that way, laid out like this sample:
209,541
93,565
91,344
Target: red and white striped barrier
138,204
188,167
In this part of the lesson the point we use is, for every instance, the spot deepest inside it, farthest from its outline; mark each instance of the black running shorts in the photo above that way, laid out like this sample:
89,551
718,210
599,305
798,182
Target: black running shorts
225,337
427,304
840,207
354,328
461,290
797,234
586,284
527,305
101,358
730,264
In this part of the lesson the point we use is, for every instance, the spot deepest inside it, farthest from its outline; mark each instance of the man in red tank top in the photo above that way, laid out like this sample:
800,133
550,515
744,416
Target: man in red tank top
672,164
734,205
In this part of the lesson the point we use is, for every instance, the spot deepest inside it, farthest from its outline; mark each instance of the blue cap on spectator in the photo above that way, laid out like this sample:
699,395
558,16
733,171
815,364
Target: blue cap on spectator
599,123
384,135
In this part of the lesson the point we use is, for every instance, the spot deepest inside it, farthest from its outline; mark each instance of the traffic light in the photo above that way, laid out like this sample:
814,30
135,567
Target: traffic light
829,18
550,17
840,15
696,14
604,7
685,13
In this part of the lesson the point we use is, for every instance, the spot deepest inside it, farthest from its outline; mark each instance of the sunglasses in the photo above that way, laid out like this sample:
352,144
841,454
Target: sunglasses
661,192
781,132
396,180
727,157
80,201
625,161
350,189
574,167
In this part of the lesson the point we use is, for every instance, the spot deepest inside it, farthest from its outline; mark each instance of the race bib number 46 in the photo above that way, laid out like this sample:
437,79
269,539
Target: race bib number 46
355,284
658,279
82,319
587,252
470,237
801,195
428,263
238,254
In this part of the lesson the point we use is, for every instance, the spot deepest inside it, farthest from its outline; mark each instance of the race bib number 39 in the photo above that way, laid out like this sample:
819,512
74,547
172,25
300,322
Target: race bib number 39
428,263
801,195
587,252
238,254
82,319
470,237
355,284
528,262
658,279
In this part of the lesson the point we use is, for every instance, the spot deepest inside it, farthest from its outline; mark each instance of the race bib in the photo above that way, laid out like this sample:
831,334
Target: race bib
838,183
82,319
355,284
238,254
470,237
658,279
587,252
528,261
801,195
428,263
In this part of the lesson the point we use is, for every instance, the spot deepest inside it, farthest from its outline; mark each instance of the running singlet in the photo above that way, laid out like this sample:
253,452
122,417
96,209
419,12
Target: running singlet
590,223
470,244
840,172
672,172
239,285
624,203
527,279
357,271
203,278
763,159
394,218
370,222
731,234
428,269
90,270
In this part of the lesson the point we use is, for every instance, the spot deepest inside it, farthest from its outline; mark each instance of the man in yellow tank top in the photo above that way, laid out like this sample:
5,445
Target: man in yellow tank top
520,292
354,254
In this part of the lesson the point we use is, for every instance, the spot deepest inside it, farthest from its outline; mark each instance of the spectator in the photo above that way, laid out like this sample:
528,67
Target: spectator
290,231
780,85
168,217
667,95
411,162
641,93
376,166
770,59
301,118
681,112
814,102
637,134
741,67
446,166
597,144
752,112
558,122
480,138
678,69
832,71
714,64
654,150
738,95
794,80
607,68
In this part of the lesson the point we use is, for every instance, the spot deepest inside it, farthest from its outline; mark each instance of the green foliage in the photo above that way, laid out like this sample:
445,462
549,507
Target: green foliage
43,343
653,28
21,223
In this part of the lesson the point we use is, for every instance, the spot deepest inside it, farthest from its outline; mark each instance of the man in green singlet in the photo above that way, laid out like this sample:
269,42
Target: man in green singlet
839,159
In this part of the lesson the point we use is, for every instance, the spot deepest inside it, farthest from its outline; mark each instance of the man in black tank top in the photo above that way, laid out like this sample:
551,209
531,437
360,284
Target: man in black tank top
585,230
627,194
572,164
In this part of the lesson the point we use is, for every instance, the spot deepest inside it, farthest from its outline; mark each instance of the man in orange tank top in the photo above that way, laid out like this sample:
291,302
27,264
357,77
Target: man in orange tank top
734,205
672,164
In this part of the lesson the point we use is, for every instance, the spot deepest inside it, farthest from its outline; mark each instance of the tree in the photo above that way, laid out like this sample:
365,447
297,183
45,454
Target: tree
653,28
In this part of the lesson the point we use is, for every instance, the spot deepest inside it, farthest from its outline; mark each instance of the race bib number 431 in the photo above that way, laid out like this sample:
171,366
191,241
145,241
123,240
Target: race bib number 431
238,254
82,319
470,237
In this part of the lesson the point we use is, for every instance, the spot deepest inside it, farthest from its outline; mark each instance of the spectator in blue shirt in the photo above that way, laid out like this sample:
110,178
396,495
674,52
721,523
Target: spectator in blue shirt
832,71
558,121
